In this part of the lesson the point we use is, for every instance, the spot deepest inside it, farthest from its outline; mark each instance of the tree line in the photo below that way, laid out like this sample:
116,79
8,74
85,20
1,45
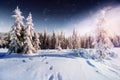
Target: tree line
23,39
56,41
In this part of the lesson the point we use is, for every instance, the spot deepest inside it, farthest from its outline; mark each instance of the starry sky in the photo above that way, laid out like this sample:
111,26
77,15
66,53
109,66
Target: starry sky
50,14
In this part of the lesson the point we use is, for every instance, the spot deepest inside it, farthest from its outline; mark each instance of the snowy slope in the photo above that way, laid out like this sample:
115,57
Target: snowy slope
58,65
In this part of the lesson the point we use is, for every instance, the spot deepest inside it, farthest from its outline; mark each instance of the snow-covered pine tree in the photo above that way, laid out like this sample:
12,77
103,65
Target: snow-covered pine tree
61,43
17,33
59,47
82,42
29,25
41,37
102,43
89,41
21,38
79,41
31,43
53,41
85,41
36,42
75,40
70,45
48,43
45,40
58,44
28,46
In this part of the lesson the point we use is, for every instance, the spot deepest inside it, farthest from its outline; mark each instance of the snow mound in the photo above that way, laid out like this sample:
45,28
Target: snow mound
92,54
82,53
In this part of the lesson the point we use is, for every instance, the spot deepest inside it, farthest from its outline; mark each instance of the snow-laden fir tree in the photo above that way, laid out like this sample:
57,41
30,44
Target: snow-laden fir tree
45,40
29,24
75,40
36,42
61,41
102,43
70,46
31,46
23,39
53,41
58,44
48,43
31,43
17,33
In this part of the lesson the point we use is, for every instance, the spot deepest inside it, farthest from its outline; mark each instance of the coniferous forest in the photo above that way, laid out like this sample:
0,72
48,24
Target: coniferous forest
23,35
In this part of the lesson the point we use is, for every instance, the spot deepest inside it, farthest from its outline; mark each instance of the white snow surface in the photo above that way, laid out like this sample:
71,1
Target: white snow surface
58,65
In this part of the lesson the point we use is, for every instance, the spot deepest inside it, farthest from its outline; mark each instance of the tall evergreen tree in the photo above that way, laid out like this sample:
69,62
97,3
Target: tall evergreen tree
17,37
30,37
75,40
23,39
45,40
36,42
29,26
102,43
53,41
70,46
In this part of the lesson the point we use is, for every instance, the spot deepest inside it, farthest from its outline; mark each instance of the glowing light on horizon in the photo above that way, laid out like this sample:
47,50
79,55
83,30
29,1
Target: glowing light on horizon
85,26
112,22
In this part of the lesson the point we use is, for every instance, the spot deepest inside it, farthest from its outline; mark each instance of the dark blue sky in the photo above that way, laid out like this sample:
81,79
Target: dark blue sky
50,14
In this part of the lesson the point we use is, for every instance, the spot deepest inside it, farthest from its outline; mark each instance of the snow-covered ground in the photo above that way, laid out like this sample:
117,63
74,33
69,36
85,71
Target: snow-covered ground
58,65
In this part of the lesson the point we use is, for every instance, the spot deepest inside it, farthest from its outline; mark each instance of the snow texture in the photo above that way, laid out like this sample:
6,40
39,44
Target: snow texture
58,65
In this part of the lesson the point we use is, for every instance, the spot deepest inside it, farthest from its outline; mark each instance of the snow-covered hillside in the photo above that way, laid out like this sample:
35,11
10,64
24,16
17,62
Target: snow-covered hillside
58,65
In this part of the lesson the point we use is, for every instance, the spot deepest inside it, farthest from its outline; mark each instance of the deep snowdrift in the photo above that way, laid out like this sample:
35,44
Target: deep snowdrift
58,65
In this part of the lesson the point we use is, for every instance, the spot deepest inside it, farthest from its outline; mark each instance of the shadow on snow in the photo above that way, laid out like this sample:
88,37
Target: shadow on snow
14,55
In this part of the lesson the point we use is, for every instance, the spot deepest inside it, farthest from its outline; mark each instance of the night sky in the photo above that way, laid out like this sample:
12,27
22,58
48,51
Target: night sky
50,14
